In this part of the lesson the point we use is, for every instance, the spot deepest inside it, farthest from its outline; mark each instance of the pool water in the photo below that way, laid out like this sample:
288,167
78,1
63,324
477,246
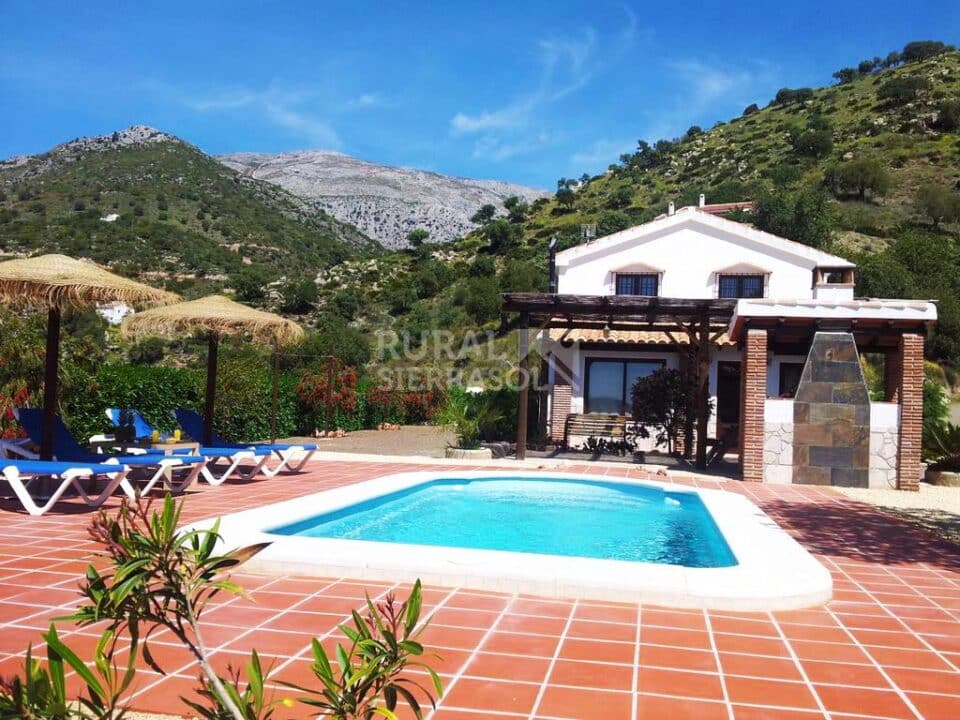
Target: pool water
580,518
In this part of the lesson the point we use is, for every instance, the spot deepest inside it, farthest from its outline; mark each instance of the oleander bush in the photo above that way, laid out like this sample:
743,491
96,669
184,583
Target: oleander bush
151,576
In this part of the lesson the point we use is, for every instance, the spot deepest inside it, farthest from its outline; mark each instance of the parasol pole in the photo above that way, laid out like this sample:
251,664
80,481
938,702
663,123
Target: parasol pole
276,391
50,383
210,398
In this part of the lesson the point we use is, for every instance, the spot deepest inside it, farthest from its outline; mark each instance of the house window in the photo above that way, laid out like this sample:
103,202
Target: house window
645,284
741,286
609,383
790,373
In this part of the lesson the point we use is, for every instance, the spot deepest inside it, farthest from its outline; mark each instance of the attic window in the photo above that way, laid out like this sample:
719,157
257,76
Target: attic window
643,284
740,286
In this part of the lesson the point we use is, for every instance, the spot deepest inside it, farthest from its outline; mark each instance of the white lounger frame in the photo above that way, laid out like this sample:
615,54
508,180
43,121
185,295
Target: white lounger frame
70,478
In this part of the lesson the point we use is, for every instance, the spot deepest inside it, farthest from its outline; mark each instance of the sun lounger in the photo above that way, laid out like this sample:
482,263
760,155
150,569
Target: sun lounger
243,462
20,474
287,453
67,449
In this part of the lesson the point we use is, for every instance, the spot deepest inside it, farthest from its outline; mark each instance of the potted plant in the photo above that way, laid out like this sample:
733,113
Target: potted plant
942,449
466,416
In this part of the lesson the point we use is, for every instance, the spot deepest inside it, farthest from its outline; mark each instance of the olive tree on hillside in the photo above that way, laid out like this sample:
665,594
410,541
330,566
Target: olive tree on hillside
937,202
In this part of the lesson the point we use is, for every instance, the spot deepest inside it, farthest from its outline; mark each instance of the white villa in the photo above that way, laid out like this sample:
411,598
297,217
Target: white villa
769,329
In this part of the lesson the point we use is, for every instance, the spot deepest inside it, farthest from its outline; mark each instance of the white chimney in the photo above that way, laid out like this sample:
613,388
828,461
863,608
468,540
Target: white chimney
703,199
671,208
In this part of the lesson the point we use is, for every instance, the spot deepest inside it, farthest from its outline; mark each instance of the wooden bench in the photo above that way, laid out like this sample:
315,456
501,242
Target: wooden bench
604,425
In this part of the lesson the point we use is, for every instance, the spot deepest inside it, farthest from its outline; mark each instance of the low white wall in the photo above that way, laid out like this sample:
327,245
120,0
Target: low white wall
778,442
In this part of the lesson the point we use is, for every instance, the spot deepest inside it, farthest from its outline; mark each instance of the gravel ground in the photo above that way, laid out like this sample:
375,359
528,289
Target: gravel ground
424,440
935,507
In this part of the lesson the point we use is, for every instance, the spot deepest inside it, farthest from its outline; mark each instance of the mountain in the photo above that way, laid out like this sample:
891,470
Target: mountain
145,201
384,202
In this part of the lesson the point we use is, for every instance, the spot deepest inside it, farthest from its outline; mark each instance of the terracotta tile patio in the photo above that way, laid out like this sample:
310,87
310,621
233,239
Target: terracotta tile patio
887,646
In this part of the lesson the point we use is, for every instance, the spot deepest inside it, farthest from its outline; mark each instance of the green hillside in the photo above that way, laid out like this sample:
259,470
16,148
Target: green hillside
803,158
182,216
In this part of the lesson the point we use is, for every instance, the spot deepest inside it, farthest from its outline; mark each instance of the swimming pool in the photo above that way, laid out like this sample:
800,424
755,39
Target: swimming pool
553,516
555,535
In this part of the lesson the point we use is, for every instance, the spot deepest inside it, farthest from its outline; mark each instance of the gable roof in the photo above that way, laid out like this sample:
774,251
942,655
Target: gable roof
694,216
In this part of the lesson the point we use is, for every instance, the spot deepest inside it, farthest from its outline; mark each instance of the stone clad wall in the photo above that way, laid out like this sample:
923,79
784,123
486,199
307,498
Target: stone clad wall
778,452
831,416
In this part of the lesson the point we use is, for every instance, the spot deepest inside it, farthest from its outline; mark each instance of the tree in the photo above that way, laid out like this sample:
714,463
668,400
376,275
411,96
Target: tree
903,90
867,66
846,75
860,175
484,215
335,337
299,296
812,142
400,297
621,197
346,303
751,109
482,299
803,215
948,117
522,276
938,203
788,96
516,209
612,221
692,132
483,266
662,400
892,60
922,49
249,285
566,197
416,237
148,351
502,235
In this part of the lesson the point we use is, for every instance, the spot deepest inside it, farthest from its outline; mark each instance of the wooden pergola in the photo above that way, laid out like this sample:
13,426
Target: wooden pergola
703,321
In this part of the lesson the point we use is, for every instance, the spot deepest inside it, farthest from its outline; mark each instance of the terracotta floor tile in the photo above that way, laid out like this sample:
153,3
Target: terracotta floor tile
744,712
844,674
696,639
667,617
511,622
678,658
601,631
606,613
743,626
757,691
549,608
508,667
923,659
884,703
679,683
750,645
521,644
936,706
917,680
582,704
652,707
592,675
492,695
772,668
599,651
833,652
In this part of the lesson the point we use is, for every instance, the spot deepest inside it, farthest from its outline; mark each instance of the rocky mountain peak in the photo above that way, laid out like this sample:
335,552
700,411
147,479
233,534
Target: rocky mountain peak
385,202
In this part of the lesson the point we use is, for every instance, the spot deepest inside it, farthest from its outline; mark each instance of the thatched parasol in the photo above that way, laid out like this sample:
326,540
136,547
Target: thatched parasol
56,283
216,315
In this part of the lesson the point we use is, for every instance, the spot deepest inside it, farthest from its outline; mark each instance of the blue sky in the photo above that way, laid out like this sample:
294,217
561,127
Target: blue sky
518,91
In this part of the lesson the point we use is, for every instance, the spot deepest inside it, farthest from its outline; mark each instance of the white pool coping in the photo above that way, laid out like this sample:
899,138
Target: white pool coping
773,572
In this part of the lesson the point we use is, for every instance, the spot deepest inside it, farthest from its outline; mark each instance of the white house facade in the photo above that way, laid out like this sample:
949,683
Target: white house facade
616,314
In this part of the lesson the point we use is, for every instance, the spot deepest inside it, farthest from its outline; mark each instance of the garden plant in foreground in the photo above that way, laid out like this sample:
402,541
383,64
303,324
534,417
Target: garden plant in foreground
158,577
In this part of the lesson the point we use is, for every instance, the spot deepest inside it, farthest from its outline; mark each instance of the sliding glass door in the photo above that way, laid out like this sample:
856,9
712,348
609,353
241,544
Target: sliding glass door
609,382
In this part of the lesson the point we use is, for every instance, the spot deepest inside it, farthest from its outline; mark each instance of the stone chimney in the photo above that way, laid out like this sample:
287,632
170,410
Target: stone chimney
703,199
671,209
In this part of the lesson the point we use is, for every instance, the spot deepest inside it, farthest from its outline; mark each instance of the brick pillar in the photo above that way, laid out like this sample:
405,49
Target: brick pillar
891,376
911,411
559,409
753,394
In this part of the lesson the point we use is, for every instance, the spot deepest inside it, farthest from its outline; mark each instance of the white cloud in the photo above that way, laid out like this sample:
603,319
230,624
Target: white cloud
281,107
490,147
708,83
564,69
